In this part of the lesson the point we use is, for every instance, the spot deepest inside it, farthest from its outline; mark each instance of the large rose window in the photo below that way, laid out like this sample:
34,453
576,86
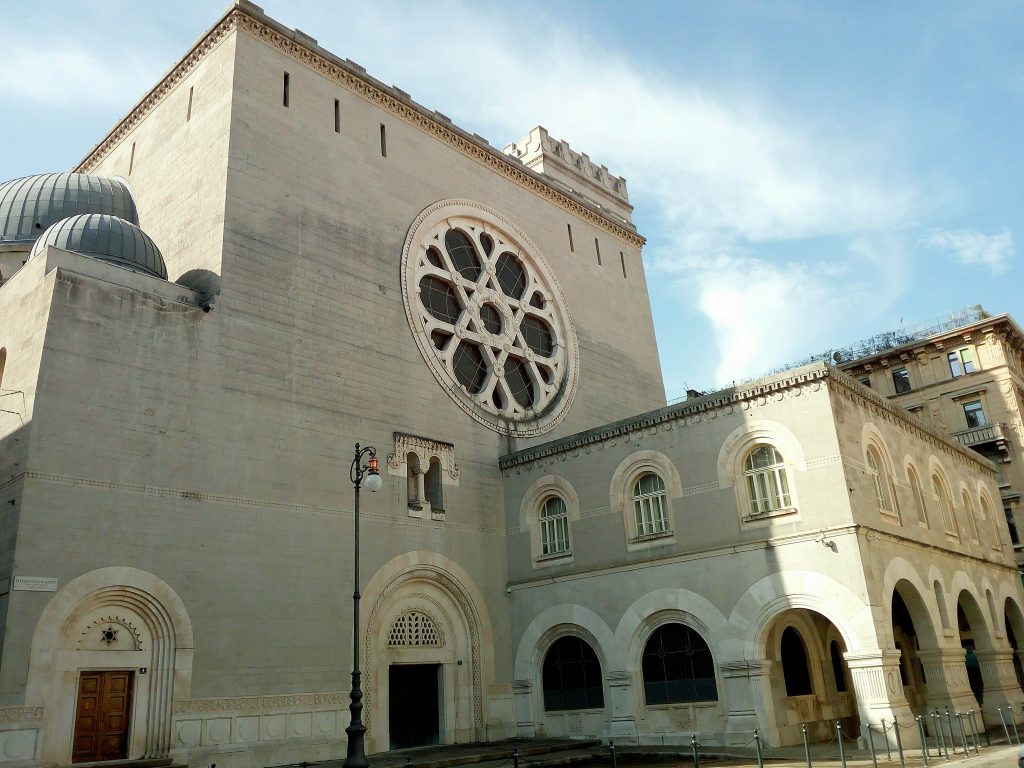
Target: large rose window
489,318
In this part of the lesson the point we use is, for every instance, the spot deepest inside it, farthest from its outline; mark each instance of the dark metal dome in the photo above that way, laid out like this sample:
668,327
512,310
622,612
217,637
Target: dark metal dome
106,238
31,204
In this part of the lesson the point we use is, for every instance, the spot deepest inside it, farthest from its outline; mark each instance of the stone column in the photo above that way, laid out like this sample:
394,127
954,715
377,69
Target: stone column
879,690
946,677
745,683
622,726
522,694
1001,688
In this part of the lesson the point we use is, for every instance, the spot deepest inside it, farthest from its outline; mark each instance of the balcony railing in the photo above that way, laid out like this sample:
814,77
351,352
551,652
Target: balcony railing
989,433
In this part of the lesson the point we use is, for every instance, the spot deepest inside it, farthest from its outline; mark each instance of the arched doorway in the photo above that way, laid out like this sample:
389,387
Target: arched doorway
974,636
1013,622
117,640
423,660
811,683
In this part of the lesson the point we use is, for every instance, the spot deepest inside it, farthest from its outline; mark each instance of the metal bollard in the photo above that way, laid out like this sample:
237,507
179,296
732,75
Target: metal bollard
899,742
942,738
974,731
963,734
696,752
871,746
984,727
757,746
807,746
408,762
839,740
515,757
1013,722
611,751
1003,721
949,722
924,740
888,752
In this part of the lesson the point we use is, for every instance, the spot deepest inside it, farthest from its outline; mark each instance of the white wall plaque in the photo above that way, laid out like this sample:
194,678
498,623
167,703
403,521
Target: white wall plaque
35,583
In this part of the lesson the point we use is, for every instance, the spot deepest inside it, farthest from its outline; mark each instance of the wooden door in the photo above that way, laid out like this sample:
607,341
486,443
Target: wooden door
102,716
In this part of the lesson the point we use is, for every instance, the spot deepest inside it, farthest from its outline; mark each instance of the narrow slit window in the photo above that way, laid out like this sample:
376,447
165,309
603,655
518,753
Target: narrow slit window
337,116
188,116
571,248
597,248
284,92
383,141
622,260
131,160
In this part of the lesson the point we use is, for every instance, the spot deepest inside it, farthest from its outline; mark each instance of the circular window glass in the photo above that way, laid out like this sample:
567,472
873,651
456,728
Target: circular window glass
489,317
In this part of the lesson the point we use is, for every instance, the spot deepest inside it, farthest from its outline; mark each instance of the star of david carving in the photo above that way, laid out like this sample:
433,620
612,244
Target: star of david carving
108,635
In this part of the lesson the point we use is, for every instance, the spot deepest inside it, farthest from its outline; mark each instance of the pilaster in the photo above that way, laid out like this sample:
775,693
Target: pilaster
879,690
748,709
622,727
1001,688
522,695
948,685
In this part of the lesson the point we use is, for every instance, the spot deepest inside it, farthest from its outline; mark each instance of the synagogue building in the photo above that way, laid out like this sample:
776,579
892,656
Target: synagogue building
273,257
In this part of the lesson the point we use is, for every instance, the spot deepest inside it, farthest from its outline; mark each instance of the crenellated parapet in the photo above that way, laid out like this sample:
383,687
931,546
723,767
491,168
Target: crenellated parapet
575,170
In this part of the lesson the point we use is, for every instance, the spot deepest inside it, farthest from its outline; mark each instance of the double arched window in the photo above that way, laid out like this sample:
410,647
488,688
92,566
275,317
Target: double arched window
554,526
649,512
767,484
572,676
678,667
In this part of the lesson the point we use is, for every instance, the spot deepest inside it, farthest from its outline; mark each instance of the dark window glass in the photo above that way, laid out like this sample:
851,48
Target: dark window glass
518,380
491,318
572,676
968,360
434,257
901,379
510,274
439,299
537,300
537,335
837,666
865,381
470,368
546,374
1012,525
975,414
487,243
794,664
678,667
432,486
463,254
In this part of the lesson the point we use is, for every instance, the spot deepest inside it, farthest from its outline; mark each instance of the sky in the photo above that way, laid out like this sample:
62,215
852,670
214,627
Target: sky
806,174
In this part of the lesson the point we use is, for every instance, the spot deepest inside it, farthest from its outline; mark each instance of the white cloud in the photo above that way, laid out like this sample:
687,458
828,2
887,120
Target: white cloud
64,74
973,248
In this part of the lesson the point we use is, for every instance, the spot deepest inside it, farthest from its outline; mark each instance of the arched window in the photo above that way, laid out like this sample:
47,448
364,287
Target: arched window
767,485
986,515
432,486
649,506
880,479
3,360
678,667
945,504
915,489
794,664
554,526
972,521
837,666
572,676
412,463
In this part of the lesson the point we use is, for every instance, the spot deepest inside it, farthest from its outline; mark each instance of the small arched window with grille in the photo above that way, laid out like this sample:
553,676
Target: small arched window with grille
414,628
678,667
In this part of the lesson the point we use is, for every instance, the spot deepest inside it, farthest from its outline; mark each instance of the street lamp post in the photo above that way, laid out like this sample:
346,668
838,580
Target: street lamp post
356,755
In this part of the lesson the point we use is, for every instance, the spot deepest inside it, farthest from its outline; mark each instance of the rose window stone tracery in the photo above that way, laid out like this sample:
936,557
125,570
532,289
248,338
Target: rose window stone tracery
489,318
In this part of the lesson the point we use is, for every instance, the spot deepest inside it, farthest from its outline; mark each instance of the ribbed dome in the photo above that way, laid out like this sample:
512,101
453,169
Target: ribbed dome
31,204
106,238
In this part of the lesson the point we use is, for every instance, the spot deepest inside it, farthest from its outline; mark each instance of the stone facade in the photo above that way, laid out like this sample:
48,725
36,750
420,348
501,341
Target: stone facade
347,266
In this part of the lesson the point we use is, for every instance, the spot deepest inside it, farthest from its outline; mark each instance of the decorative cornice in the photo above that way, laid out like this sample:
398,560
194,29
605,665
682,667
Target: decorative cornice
727,401
303,49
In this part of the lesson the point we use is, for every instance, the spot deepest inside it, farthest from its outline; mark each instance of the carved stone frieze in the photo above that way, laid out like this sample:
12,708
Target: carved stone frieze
261,703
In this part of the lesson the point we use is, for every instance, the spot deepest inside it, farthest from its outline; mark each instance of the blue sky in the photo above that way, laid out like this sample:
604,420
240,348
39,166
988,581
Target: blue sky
806,173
